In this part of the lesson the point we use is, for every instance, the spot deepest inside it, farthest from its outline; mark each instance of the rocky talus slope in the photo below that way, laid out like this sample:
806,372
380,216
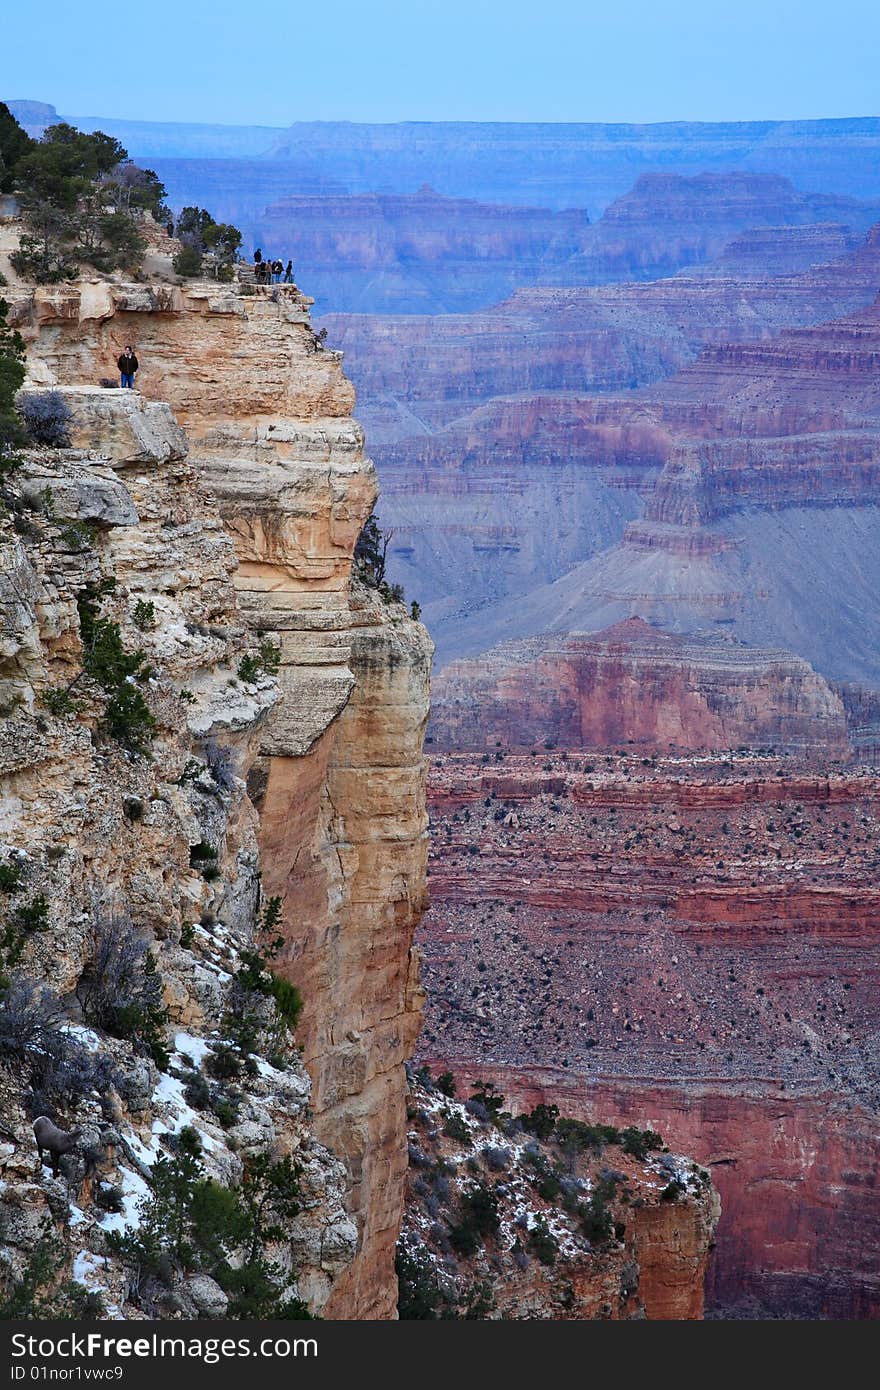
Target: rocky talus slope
335,771
569,1223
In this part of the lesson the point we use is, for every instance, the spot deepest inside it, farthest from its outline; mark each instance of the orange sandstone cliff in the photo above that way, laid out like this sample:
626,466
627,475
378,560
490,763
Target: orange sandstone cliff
338,778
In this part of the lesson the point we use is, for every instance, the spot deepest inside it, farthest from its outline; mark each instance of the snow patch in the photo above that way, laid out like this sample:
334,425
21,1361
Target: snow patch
169,1092
196,1048
133,1189
85,1270
87,1036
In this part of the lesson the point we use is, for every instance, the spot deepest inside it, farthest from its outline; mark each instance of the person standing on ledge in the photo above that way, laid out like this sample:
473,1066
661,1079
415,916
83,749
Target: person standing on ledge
128,365
288,274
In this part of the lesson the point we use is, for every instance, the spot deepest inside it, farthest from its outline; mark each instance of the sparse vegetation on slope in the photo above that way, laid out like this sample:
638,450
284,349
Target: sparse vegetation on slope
503,1223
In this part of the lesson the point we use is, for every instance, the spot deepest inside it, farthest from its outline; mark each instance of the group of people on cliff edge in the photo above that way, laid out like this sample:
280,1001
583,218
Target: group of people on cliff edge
269,272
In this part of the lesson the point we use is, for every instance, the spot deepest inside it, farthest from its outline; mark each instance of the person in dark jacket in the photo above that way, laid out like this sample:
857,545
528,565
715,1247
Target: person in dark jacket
128,365
277,272
288,274
258,256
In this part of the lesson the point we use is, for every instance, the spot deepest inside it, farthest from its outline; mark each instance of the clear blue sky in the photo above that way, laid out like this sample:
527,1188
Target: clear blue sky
385,60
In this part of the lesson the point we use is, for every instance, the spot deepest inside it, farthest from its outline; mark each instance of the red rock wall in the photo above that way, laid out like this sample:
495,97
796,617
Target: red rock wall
634,685
800,1228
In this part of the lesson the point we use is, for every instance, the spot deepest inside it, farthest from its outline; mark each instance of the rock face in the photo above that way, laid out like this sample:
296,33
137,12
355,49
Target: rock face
633,684
96,838
553,1255
688,944
337,774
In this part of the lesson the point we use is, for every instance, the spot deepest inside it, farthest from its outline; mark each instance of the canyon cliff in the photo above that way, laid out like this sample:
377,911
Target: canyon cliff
691,498
423,253
131,896
336,771
271,831
654,810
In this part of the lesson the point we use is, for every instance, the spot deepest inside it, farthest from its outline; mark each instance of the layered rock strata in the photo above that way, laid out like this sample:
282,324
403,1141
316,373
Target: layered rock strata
634,685
525,403
586,339
379,253
688,943
420,252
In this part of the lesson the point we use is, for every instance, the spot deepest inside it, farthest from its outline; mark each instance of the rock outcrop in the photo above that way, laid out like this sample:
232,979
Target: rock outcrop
615,1227
107,850
336,771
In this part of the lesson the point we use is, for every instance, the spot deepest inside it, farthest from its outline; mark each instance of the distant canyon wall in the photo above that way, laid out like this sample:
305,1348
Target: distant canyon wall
632,685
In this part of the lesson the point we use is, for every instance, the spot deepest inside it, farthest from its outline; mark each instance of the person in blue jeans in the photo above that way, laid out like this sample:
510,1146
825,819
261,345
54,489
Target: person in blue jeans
128,365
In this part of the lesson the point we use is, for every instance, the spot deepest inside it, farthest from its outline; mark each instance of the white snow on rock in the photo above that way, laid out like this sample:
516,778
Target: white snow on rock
196,1048
133,1190
147,1153
87,1036
85,1270
169,1092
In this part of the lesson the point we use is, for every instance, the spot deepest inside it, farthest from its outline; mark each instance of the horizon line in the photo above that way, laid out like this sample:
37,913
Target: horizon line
451,120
